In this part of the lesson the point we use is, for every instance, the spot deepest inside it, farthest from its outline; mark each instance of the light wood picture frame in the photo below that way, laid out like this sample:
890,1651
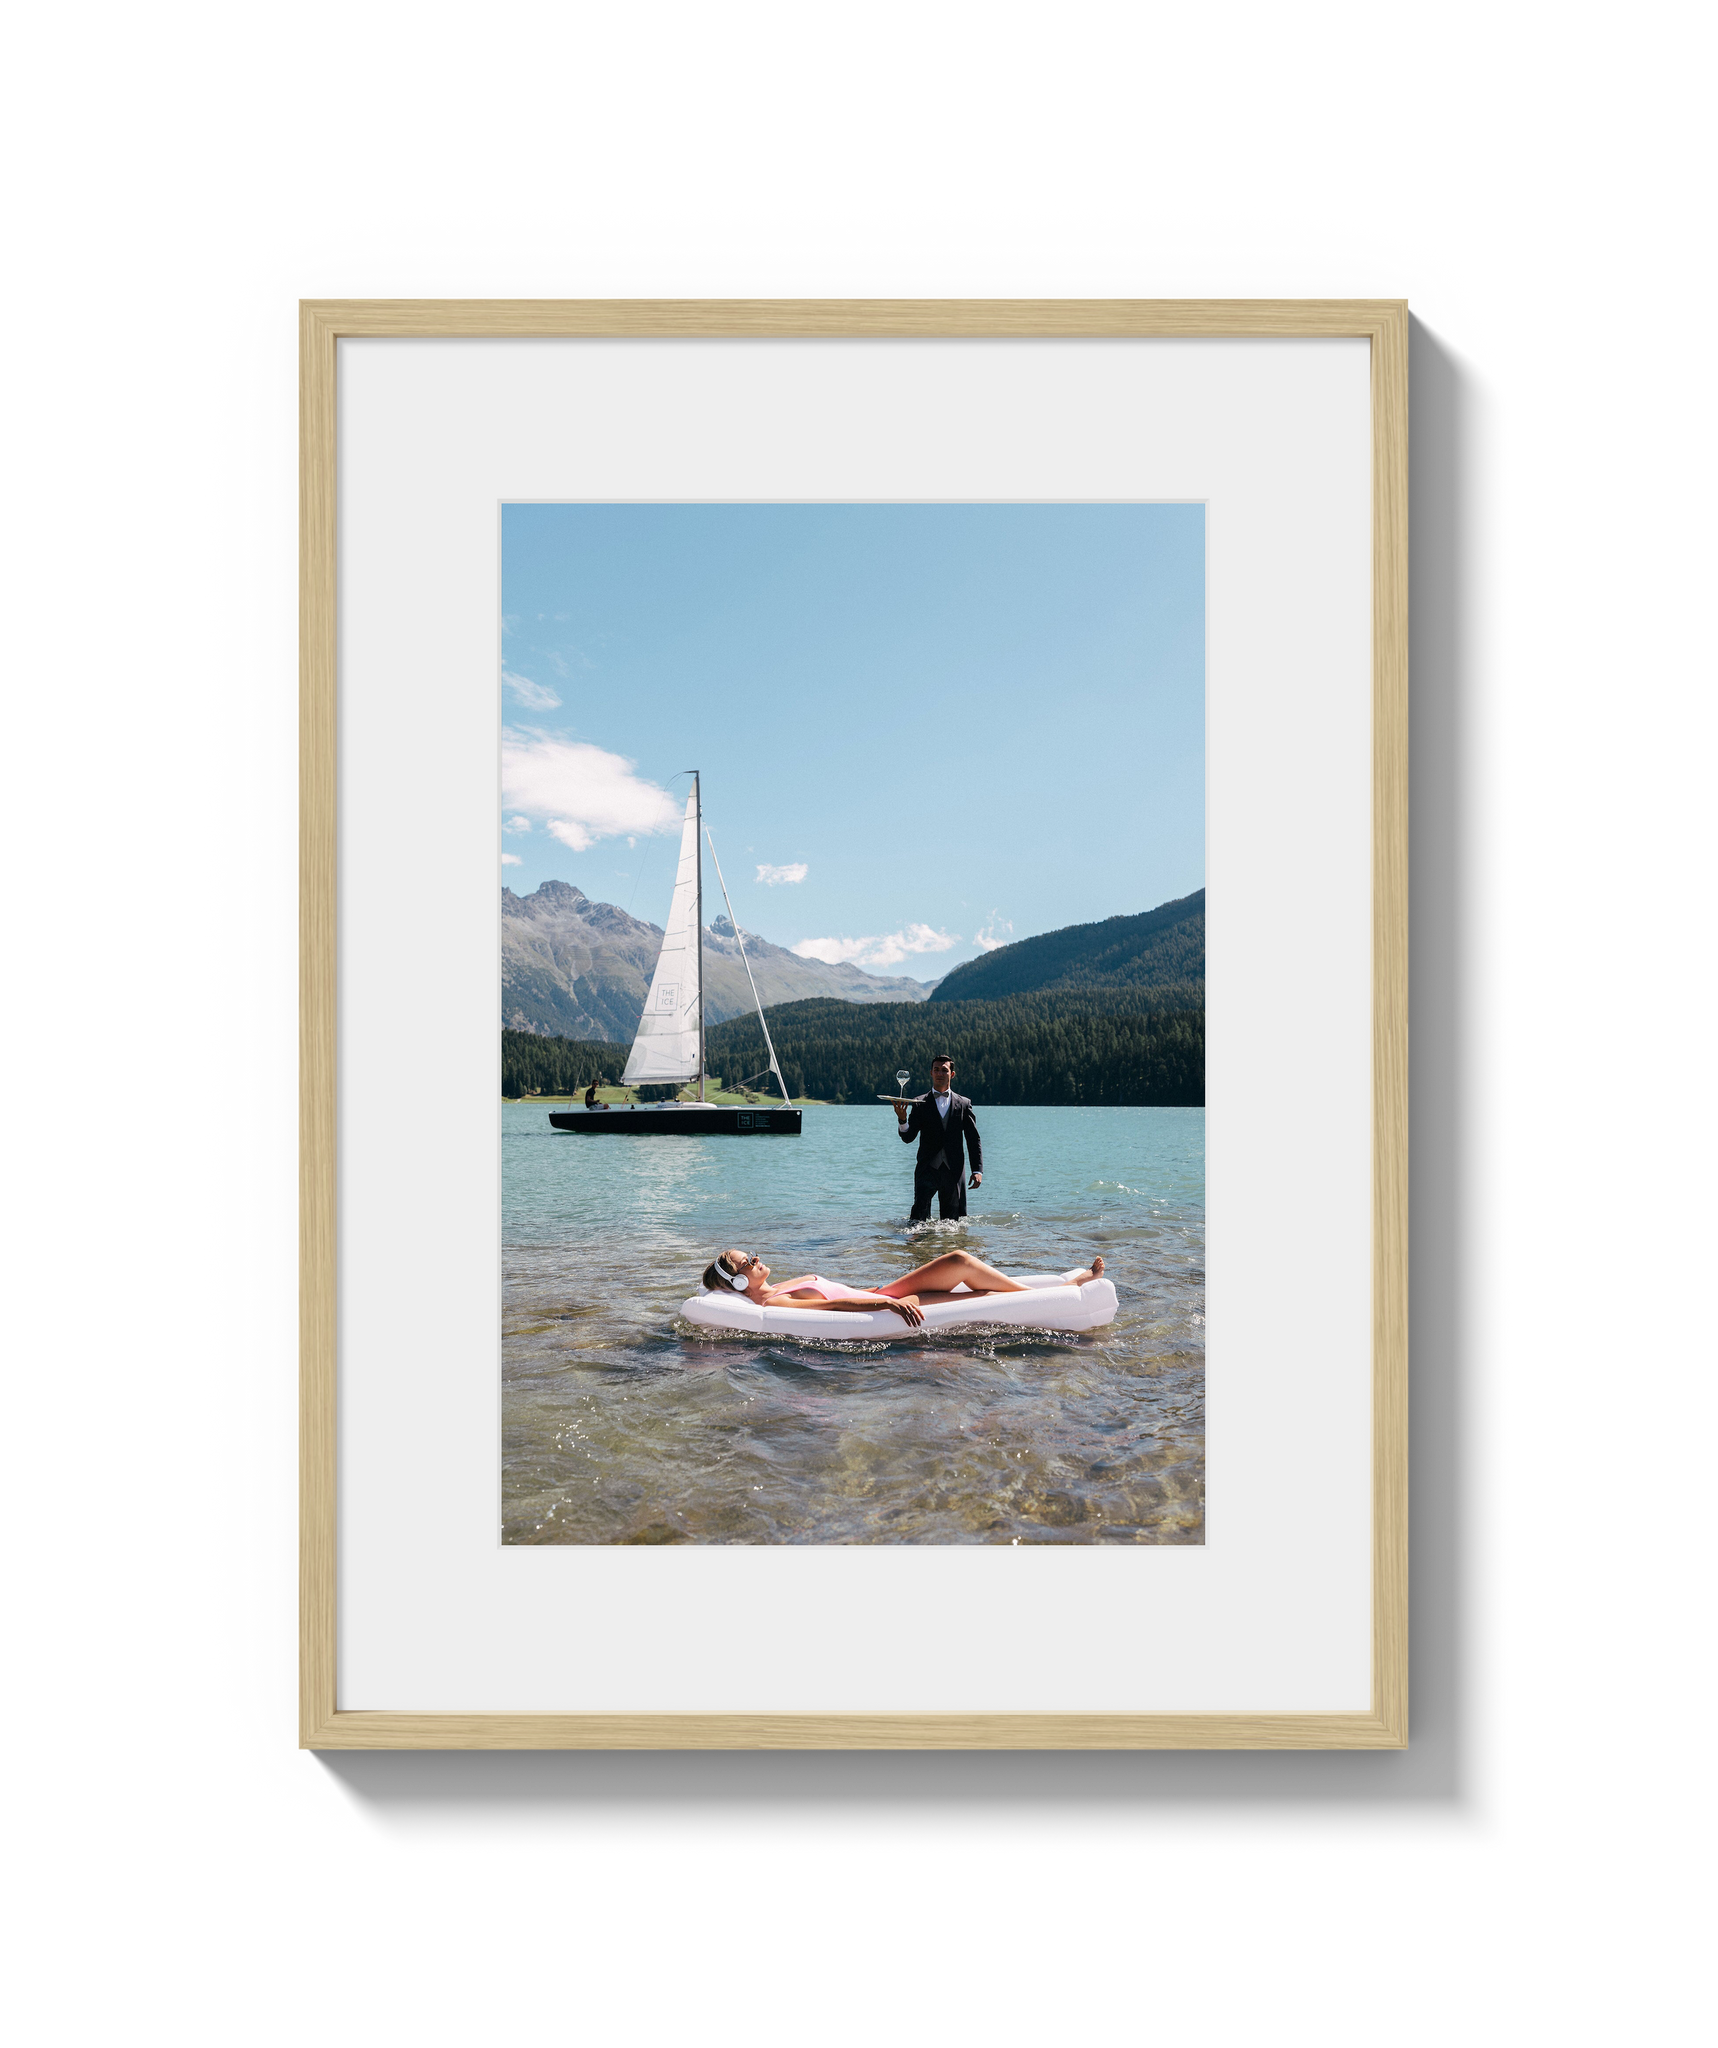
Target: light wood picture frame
1383,325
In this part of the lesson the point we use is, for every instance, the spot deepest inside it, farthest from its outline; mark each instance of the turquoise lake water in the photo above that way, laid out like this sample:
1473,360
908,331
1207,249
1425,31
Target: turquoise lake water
622,1423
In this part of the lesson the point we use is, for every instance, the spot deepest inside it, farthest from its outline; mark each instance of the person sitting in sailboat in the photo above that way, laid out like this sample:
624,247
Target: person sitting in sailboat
907,1297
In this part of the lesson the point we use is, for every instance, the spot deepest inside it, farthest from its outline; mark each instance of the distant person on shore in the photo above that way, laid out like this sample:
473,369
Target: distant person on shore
591,1096
947,1132
905,1297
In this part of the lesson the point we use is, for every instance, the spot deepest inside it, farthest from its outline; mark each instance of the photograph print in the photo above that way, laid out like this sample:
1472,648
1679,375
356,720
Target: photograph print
853,1023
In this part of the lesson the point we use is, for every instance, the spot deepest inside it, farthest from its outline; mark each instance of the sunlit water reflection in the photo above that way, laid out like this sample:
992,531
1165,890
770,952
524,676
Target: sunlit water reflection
624,1424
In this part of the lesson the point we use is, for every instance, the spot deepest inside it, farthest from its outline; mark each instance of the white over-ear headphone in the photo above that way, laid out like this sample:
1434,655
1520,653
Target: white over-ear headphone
738,1281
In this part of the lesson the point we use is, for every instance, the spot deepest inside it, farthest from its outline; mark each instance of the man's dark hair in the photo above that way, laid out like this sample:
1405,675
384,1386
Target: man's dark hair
945,1057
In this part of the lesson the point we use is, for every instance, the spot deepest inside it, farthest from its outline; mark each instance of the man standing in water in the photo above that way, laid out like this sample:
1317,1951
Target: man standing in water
945,1127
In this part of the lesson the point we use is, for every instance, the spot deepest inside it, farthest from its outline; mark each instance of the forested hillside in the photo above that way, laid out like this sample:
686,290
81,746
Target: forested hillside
535,1064
1115,1046
1161,950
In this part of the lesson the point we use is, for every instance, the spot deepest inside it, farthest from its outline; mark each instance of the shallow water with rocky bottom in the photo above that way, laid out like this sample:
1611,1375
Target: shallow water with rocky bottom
623,1423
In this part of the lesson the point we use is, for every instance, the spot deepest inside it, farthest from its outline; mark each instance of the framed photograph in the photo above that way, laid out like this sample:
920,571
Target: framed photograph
822,1223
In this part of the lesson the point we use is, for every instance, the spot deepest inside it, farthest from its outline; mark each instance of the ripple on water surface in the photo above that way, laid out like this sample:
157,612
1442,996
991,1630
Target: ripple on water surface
622,1423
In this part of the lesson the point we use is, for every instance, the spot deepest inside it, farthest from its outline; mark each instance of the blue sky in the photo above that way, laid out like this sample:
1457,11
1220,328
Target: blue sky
924,729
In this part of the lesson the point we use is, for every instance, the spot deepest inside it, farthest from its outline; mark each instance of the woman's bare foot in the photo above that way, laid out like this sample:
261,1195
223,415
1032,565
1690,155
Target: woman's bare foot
1092,1272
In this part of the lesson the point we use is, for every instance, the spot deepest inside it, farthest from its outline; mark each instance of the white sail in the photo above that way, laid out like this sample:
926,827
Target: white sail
670,1033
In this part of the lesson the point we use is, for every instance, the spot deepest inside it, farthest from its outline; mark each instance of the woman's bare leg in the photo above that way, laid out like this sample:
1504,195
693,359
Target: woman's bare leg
941,1275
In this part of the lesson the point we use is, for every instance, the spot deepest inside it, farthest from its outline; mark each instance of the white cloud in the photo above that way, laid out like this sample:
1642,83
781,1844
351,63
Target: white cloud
511,860
580,792
535,696
888,950
795,871
517,825
998,931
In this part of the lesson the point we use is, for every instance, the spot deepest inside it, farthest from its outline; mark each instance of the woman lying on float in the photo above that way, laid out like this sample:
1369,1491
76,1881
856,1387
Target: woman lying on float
908,1297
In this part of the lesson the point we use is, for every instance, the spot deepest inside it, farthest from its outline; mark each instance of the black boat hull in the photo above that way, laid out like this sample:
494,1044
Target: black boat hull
680,1120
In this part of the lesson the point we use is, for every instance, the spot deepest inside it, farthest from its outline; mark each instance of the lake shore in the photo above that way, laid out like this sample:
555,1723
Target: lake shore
724,1096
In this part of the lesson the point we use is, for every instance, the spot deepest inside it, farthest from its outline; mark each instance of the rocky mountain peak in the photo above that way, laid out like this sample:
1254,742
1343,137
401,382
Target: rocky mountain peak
551,899
721,932
581,969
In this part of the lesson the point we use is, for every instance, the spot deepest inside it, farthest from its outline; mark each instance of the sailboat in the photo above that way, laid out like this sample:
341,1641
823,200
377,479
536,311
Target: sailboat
670,1041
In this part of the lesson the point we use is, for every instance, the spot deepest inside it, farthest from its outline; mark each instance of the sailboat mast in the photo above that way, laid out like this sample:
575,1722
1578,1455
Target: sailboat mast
698,845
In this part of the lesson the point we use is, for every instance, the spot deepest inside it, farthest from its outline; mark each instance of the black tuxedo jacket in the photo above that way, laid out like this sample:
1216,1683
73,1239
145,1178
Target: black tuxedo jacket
951,1138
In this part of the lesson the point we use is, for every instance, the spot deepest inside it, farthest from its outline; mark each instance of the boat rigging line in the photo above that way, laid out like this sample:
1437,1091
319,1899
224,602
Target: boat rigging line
774,1065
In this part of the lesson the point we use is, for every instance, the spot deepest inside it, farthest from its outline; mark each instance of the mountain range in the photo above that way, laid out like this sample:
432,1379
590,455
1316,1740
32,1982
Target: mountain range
1156,950
578,969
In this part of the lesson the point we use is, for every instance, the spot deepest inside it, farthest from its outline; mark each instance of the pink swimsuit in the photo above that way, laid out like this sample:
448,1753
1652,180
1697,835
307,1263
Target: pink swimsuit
831,1290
